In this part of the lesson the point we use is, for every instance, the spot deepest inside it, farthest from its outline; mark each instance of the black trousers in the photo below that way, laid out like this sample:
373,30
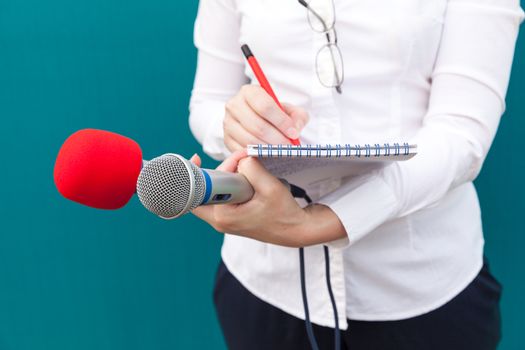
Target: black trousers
469,321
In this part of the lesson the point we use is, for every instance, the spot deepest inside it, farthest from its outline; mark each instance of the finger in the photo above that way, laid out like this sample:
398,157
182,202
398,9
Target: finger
298,114
257,175
243,114
221,217
236,131
195,159
266,107
231,144
230,164
204,213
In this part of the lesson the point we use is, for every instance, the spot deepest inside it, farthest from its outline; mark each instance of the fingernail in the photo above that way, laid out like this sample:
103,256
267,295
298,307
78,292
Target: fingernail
299,125
292,133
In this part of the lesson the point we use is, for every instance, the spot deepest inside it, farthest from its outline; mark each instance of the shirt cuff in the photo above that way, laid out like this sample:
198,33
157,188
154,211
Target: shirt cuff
361,204
213,143
206,125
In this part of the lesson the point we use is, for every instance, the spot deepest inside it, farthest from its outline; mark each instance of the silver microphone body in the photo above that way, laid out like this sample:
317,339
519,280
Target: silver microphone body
227,188
170,186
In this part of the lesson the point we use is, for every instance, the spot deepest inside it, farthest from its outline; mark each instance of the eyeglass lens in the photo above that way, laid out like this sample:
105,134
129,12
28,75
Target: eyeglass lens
329,66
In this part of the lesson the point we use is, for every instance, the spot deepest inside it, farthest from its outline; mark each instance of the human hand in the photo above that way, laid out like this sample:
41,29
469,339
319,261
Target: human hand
272,215
253,117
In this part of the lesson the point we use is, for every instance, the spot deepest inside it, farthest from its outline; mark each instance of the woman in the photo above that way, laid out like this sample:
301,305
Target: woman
406,241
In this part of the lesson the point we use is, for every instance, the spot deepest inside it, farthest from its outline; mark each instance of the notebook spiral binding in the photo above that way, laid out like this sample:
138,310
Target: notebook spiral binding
337,151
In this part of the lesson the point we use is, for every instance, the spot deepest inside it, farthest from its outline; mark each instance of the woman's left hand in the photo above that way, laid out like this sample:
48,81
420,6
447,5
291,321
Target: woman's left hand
272,215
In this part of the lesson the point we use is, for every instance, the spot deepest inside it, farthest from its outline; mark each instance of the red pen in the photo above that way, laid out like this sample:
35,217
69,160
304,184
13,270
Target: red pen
259,74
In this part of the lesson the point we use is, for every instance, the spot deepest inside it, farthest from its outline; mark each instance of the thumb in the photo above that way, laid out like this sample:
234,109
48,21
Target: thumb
230,163
257,175
299,115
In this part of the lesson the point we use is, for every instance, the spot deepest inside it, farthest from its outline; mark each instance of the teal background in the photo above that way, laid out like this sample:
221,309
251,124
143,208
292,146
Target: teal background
77,278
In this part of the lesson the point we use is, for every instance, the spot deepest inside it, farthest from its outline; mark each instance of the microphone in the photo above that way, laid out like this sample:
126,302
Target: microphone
103,170
170,186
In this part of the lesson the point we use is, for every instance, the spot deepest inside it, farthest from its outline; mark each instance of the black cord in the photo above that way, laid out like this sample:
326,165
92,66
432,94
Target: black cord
337,333
298,192
309,328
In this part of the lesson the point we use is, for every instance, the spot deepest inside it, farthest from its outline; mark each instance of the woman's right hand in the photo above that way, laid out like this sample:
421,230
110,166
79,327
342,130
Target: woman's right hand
253,117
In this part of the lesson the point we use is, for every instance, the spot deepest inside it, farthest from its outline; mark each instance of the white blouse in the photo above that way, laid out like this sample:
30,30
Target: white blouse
434,73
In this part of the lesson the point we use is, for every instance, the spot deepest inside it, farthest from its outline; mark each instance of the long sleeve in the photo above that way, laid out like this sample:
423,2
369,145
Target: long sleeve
220,72
467,100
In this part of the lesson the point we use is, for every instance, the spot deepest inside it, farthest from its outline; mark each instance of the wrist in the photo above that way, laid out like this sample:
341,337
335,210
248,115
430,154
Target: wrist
321,225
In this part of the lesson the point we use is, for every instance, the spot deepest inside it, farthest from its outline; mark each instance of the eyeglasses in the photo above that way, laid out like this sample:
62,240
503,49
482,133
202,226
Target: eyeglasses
329,60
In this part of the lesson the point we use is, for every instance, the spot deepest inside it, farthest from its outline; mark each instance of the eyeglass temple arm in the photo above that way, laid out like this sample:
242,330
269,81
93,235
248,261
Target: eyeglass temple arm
305,4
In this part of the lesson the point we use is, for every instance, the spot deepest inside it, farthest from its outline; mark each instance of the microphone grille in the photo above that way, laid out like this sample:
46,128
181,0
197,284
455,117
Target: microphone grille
164,186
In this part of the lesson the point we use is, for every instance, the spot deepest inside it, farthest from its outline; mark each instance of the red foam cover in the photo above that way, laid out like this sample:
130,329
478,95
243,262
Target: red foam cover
98,168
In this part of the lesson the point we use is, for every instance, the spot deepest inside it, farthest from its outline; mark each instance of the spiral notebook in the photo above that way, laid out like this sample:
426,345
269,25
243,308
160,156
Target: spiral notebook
394,151
311,163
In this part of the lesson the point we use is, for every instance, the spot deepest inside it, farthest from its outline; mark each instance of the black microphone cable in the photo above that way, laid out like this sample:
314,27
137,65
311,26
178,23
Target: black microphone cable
298,192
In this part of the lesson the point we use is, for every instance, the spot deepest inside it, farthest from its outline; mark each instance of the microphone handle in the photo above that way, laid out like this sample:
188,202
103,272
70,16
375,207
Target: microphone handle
231,188
223,187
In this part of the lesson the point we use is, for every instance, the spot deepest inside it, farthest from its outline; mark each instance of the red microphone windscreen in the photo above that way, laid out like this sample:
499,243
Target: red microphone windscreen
98,168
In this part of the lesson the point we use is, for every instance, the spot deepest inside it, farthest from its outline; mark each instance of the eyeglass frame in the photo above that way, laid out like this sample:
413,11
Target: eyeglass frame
330,43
